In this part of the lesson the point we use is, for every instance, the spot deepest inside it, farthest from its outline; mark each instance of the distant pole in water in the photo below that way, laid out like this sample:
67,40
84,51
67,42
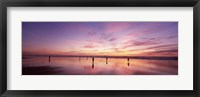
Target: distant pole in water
106,60
79,59
87,58
49,58
92,62
128,61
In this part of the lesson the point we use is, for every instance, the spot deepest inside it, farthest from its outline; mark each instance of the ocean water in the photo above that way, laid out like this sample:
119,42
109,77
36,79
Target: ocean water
41,65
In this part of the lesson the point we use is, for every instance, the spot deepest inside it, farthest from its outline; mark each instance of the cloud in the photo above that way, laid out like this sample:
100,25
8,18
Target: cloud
133,43
166,51
142,43
117,27
173,36
155,38
112,39
92,33
91,46
170,52
167,46
134,34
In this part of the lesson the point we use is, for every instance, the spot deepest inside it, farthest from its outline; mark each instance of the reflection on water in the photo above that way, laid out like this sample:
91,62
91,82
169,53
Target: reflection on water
33,65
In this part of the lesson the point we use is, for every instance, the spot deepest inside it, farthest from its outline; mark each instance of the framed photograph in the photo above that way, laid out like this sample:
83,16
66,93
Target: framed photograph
64,48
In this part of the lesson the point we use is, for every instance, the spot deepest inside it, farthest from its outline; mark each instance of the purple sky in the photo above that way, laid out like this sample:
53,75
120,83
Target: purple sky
100,38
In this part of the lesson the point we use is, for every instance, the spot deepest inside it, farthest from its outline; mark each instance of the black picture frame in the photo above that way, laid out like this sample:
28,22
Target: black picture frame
98,3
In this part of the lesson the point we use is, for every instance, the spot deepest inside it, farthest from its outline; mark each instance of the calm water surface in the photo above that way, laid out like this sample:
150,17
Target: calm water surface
33,65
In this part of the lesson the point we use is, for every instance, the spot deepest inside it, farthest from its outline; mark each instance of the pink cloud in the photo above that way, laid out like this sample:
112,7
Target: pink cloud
112,39
91,46
116,27
81,28
143,32
91,33
133,43
163,47
163,53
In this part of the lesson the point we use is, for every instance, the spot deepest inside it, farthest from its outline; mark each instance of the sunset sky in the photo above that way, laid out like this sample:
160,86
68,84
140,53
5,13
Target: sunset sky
100,38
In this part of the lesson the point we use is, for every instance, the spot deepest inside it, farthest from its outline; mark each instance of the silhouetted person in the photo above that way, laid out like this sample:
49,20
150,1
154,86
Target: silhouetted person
87,58
79,59
106,60
128,61
92,62
49,58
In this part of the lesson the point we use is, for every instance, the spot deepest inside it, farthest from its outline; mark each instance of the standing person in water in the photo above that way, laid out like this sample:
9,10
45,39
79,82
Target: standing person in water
49,58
